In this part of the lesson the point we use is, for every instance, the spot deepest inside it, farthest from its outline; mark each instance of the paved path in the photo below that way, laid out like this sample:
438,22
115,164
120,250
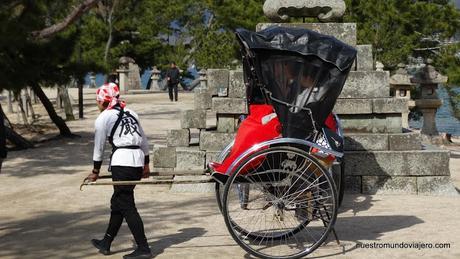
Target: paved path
44,215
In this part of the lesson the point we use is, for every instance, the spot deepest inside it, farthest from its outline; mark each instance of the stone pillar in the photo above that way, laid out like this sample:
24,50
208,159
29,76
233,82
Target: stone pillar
203,79
155,77
134,77
401,85
123,75
129,76
428,80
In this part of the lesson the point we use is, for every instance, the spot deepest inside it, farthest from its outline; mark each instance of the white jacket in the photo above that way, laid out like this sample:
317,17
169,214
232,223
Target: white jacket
128,133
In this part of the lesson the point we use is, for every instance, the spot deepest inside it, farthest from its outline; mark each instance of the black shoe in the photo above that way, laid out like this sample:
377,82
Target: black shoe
103,247
139,254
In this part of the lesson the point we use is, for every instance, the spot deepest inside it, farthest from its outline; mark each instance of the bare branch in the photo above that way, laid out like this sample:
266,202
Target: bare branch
76,13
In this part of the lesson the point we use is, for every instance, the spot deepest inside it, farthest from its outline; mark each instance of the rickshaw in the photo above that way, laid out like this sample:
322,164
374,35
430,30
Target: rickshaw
275,186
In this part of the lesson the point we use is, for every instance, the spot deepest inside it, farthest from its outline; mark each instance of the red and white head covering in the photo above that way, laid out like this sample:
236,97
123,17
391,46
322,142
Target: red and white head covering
109,93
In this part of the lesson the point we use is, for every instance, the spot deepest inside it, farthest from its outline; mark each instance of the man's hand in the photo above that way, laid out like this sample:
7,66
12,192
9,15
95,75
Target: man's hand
146,172
92,177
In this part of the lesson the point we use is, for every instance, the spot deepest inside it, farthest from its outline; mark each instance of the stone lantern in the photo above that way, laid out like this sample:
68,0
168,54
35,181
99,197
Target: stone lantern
155,77
379,66
400,87
428,80
92,80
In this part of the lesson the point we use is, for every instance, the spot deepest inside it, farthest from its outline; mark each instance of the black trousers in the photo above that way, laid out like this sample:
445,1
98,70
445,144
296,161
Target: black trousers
123,206
171,88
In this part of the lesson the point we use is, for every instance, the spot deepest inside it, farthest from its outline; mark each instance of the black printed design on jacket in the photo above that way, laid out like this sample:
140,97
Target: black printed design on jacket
129,126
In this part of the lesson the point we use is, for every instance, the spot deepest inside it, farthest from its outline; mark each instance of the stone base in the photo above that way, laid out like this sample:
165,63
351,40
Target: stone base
215,141
192,187
178,138
189,159
397,163
421,185
164,157
367,84
372,123
382,142
193,119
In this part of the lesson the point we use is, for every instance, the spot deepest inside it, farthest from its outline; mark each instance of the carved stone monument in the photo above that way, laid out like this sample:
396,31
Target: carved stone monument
429,79
379,157
128,74
154,86
325,11
400,87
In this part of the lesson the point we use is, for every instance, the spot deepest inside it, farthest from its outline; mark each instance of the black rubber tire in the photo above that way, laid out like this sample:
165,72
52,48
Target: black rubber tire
341,185
231,225
219,196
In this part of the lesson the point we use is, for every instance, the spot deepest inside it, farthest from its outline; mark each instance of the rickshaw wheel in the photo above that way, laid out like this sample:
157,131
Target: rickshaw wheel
284,207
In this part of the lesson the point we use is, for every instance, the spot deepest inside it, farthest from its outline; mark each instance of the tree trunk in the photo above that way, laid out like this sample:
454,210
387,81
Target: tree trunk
34,95
57,120
74,15
24,102
11,135
67,104
110,25
10,102
80,100
3,150
58,97
29,104
21,109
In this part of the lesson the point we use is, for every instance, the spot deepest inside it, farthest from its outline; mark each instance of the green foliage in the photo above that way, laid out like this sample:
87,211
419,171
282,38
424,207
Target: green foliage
203,31
23,59
396,27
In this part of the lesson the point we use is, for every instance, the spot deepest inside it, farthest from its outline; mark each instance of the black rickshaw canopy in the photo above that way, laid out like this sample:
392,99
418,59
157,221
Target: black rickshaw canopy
299,71
302,41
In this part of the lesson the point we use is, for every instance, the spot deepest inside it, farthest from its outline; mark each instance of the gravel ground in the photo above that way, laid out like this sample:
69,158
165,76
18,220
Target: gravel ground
44,215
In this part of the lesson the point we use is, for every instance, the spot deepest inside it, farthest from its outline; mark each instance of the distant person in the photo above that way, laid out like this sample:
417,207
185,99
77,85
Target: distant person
173,76
129,162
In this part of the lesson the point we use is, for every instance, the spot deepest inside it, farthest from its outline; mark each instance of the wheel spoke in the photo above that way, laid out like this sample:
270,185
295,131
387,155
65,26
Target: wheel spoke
279,208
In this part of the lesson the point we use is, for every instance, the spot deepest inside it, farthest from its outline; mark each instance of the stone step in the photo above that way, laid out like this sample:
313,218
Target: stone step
366,84
382,142
193,187
424,172
387,105
422,185
397,163
372,123
215,141
225,105
376,115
